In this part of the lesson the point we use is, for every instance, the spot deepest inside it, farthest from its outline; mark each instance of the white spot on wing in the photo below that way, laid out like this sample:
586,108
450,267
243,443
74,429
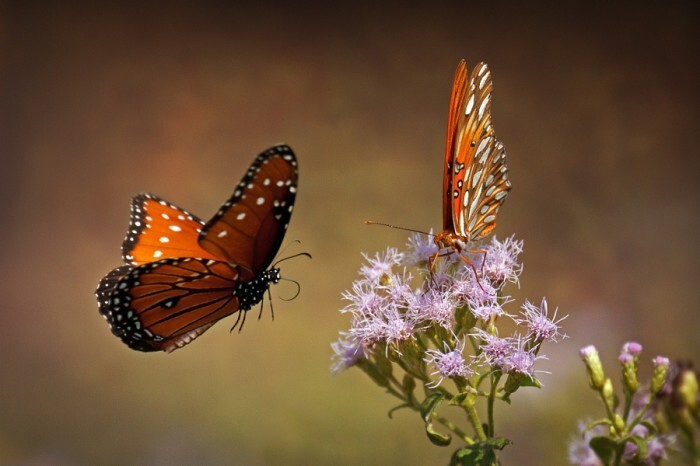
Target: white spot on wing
240,216
222,233
175,228
157,254
164,239
470,105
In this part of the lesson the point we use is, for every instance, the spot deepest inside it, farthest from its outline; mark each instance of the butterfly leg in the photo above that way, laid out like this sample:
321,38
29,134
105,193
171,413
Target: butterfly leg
483,261
241,315
471,264
272,310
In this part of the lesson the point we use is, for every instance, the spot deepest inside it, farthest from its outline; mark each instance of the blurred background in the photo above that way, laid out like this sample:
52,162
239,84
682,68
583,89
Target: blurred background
596,104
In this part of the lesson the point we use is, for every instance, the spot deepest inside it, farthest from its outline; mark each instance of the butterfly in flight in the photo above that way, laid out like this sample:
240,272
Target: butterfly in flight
183,275
475,176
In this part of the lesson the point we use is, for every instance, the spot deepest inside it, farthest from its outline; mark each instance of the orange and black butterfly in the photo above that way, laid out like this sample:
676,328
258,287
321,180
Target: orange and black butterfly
475,177
184,275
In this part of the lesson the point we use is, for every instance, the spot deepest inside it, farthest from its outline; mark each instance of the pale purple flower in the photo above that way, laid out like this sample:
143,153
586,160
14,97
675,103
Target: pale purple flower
435,307
466,288
421,249
580,452
539,325
399,291
632,347
625,358
448,363
380,265
488,308
500,263
656,446
369,331
520,360
364,299
347,351
495,350
397,328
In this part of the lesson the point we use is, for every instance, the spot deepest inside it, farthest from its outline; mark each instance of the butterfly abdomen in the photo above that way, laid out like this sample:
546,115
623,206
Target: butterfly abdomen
251,293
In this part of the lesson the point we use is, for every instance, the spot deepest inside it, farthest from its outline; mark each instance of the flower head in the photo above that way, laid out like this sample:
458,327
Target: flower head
435,307
449,362
421,249
580,451
495,350
347,351
500,263
381,265
540,326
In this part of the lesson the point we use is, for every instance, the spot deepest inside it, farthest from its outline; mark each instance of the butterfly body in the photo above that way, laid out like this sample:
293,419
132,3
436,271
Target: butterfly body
475,181
183,275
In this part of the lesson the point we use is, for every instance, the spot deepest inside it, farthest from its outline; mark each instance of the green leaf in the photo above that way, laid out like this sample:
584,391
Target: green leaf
459,398
604,422
464,317
642,447
383,364
371,370
530,382
604,447
479,454
396,408
437,438
429,404
651,427
408,385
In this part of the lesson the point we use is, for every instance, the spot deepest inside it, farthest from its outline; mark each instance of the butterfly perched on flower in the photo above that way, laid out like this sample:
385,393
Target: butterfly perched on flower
475,176
183,275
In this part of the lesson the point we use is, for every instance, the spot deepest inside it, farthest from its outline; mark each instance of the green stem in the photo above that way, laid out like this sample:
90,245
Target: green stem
495,378
475,421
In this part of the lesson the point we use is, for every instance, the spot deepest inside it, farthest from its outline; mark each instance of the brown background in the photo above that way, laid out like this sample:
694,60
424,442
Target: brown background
597,106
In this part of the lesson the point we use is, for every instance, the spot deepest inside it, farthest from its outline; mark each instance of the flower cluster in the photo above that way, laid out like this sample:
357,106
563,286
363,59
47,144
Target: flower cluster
437,319
629,435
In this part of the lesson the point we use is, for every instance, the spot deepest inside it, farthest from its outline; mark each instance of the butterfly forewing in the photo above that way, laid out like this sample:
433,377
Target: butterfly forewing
160,230
249,227
166,304
459,90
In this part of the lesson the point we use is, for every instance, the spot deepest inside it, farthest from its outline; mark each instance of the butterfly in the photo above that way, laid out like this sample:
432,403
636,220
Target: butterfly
475,176
183,275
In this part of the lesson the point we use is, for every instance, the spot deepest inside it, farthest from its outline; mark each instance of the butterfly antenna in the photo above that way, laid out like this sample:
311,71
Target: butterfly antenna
306,254
296,241
370,222
298,289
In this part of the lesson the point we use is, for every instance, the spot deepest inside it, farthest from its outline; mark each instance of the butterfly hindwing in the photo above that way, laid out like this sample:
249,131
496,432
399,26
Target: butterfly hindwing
166,304
160,230
485,187
250,226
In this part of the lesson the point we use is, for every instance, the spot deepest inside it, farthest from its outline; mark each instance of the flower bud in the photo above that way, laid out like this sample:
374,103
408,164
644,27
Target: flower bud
608,393
688,389
629,372
596,376
658,378
618,423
